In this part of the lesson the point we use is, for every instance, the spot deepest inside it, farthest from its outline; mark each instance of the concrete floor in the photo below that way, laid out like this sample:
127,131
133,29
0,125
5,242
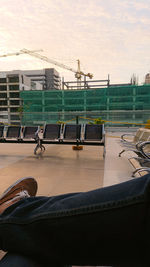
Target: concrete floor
116,169
60,169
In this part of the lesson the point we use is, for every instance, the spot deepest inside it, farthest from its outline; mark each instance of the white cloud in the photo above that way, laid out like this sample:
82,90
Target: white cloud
107,36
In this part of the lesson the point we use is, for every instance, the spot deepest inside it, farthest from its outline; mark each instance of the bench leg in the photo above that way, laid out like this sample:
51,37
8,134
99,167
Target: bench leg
104,152
121,152
39,146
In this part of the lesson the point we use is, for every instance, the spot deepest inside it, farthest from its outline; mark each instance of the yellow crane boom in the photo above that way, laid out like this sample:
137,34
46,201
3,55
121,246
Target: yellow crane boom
78,72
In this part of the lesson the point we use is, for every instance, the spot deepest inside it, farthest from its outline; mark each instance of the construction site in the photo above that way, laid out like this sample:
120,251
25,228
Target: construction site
36,97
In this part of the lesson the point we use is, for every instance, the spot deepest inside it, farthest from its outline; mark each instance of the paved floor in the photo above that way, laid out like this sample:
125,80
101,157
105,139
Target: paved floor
61,169
116,169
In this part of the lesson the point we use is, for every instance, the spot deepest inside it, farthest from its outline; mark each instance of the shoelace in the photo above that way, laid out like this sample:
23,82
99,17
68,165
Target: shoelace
22,194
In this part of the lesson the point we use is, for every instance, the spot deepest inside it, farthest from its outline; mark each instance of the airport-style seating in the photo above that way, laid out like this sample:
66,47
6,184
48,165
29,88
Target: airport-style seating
51,135
72,134
30,135
10,134
94,132
13,134
135,139
141,166
30,132
68,134
52,132
141,163
141,136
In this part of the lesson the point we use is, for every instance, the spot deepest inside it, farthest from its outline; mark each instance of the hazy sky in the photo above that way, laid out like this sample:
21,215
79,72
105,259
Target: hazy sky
111,36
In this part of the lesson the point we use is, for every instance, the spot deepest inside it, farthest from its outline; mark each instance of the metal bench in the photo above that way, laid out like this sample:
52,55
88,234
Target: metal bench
30,132
51,135
141,163
141,166
136,137
19,134
142,137
13,134
72,134
52,132
94,134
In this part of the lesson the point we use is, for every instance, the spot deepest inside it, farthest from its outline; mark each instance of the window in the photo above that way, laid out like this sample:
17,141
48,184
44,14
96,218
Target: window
3,88
2,80
14,95
14,117
13,109
13,79
4,117
3,102
3,109
14,87
3,95
14,102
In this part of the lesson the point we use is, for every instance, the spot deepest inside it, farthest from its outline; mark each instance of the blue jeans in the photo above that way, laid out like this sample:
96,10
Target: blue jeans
15,260
107,226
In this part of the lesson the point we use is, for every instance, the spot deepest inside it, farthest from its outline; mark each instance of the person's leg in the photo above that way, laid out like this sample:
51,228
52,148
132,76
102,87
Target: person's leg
15,260
107,226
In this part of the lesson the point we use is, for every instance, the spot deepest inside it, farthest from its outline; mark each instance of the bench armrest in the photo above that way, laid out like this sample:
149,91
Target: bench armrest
141,148
123,139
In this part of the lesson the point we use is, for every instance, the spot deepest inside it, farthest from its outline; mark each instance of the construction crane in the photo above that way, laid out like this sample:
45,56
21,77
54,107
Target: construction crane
78,72
19,53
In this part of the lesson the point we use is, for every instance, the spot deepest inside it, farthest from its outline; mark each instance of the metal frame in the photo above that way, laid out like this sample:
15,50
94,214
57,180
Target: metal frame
77,142
39,142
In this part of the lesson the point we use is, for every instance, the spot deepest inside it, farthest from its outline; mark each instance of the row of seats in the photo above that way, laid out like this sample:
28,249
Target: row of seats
140,145
54,134
73,132
18,133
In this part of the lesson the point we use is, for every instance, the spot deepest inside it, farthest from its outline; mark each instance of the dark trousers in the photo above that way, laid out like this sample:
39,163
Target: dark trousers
15,260
108,226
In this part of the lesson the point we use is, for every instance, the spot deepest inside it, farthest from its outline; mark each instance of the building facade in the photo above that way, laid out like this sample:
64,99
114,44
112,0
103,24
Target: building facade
13,82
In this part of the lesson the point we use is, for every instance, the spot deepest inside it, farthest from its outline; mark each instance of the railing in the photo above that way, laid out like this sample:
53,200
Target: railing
111,118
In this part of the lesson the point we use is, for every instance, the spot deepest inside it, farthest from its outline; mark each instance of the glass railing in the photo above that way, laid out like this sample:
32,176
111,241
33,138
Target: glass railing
111,118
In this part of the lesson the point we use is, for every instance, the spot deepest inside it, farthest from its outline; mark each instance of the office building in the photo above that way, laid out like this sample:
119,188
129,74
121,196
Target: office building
13,82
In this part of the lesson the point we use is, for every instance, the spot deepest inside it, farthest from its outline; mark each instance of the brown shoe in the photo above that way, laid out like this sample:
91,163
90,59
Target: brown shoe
23,188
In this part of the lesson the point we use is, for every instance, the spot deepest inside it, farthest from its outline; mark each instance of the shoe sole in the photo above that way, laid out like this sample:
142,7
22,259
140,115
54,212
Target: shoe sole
26,183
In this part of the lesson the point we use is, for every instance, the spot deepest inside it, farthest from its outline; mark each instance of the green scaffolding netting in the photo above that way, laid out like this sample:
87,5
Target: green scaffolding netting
105,102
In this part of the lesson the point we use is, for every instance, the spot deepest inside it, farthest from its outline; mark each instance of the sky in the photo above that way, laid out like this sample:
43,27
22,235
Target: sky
108,37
